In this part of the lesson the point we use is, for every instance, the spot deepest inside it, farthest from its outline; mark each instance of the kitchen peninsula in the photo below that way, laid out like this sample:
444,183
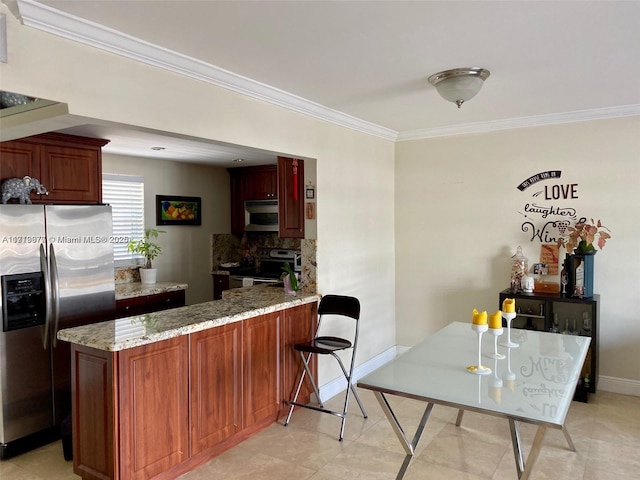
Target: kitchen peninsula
156,395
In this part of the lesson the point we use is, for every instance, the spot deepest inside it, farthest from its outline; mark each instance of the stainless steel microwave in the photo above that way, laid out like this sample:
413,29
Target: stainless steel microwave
261,216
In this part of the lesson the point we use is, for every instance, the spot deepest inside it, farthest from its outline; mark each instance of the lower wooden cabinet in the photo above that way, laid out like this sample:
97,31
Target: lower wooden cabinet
216,389
220,284
153,407
127,307
299,324
159,410
94,413
262,389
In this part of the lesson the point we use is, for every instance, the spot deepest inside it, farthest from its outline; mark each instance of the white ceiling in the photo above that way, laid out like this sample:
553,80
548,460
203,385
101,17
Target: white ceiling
365,64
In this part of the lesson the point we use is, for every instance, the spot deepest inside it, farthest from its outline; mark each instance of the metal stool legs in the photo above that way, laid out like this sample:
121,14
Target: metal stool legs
320,408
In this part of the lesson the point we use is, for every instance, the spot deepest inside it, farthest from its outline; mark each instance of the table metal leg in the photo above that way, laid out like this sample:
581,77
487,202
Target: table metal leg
572,447
409,447
459,419
524,468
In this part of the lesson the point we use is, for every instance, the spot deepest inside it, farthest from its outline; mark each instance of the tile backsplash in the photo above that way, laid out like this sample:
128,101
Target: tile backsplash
231,248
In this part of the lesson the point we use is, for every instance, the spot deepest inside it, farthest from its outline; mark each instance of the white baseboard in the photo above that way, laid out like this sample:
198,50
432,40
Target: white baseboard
328,390
619,385
334,387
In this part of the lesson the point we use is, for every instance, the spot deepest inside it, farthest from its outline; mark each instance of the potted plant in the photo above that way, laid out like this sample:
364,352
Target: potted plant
290,280
581,237
149,250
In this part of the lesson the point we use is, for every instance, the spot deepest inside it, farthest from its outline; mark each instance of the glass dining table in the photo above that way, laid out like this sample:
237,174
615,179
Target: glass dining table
534,383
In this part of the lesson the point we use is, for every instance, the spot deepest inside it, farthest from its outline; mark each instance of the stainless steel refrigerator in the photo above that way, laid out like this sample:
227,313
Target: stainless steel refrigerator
56,271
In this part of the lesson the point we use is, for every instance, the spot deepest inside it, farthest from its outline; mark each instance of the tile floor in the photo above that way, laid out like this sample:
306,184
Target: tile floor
606,432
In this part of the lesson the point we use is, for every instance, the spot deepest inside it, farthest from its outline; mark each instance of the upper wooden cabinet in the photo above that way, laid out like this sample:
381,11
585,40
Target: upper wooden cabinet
70,167
261,183
284,182
290,198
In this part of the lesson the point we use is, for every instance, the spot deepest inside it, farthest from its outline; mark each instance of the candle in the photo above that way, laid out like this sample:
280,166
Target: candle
479,318
509,305
495,319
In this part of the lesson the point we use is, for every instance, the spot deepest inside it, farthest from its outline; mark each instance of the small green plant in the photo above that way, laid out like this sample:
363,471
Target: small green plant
145,247
292,277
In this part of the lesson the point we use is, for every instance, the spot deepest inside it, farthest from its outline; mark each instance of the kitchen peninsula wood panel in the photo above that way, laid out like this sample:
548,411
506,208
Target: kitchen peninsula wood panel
93,398
216,393
153,407
299,326
157,410
262,368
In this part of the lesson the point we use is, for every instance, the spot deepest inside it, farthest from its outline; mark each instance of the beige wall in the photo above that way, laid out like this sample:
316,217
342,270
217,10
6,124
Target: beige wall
436,243
458,223
186,250
354,171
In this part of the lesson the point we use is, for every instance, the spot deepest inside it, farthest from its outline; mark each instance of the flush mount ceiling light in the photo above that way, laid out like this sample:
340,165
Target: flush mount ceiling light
459,85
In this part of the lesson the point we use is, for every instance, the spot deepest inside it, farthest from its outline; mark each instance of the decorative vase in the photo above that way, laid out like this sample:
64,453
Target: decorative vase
148,275
288,289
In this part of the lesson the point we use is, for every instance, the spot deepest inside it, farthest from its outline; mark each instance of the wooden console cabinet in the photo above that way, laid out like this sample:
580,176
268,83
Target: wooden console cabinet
562,314
157,411
70,167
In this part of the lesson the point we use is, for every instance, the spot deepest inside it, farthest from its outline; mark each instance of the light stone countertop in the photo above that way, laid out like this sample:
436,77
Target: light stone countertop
137,289
129,332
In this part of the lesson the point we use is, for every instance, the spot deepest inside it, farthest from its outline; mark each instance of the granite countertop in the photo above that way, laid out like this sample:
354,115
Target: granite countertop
137,289
129,332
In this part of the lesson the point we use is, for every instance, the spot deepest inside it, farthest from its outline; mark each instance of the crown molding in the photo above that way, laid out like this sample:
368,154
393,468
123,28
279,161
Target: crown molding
56,22
511,123
59,23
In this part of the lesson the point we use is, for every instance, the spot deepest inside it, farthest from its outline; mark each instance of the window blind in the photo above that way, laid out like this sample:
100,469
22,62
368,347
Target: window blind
125,194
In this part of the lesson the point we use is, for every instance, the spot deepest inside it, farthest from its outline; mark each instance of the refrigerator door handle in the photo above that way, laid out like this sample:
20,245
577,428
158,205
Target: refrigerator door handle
44,266
55,297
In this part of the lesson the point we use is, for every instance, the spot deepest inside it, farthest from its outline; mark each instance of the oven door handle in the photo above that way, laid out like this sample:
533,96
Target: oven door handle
258,281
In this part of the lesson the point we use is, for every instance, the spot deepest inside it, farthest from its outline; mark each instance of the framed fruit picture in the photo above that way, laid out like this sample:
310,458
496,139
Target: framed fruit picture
177,210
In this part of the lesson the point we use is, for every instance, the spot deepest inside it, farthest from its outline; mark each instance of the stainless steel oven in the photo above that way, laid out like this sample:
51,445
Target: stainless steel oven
271,263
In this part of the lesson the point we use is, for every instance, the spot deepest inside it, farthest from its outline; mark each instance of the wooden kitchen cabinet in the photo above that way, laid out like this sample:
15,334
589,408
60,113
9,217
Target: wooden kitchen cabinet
262,388
220,284
94,413
118,401
261,183
270,182
69,166
18,159
250,183
291,198
128,307
159,410
299,327
216,385
153,407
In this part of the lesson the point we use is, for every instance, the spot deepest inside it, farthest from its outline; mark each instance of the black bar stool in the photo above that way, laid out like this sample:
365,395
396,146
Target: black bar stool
349,308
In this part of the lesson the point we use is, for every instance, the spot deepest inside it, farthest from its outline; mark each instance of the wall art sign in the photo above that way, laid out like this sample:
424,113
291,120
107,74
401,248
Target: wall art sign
548,208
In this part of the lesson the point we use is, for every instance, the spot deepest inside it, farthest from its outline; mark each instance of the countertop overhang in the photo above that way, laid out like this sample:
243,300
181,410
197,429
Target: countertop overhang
137,289
238,305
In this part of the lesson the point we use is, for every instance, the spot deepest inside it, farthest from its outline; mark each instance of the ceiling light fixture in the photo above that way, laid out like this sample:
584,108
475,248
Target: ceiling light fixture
158,149
459,85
